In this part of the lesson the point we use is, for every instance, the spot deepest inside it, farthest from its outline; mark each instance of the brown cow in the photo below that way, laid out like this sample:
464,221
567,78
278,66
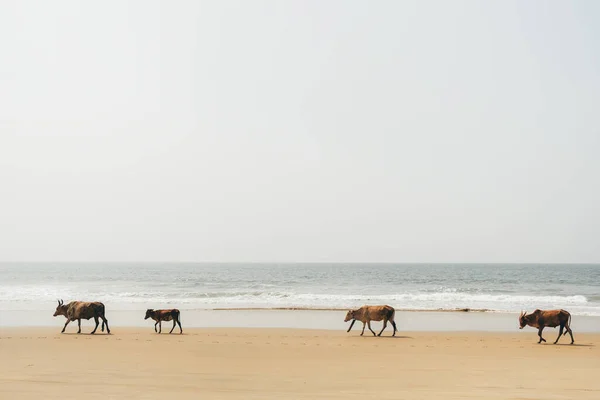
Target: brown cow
551,318
164,315
366,314
78,310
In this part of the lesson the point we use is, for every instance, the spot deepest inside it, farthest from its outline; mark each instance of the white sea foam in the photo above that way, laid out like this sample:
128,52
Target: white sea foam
29,298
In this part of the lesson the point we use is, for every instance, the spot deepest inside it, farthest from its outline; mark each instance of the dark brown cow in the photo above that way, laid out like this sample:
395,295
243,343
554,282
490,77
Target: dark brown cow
366,314
164,315
78,310
551,318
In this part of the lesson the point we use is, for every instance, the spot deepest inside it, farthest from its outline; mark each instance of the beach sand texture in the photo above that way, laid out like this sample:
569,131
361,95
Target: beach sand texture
40,363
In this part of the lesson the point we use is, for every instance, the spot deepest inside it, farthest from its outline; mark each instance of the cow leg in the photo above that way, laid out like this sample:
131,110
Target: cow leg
159,326
369,323
155,329
382,329
363,331
570,333
105,321
65,327
540,335
97,323
79,325
174,323
180,328
351,325
560,332
395,329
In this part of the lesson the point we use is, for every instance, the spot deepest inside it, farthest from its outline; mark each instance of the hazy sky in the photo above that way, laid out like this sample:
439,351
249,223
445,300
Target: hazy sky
432,131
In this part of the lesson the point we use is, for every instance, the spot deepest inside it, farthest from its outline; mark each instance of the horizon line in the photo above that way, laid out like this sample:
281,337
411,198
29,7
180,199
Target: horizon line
307,262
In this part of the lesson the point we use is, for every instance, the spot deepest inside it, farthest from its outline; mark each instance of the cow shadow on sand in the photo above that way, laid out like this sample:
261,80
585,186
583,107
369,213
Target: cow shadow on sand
382,337
573,345
394,337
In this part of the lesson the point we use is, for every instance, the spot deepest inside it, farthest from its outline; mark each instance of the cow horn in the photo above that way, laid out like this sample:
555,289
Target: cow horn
62,302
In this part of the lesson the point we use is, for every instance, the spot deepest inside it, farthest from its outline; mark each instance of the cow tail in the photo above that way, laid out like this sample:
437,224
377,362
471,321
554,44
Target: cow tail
393,315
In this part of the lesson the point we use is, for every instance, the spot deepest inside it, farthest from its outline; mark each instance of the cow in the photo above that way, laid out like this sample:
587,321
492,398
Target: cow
551,318
78,310
366,314
164,315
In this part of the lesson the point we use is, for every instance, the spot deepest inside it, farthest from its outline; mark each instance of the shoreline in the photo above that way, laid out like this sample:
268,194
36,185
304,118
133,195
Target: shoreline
269,364
331,320
303,308
120,308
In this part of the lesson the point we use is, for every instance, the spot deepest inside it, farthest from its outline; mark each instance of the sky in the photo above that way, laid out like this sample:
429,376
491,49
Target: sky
300,131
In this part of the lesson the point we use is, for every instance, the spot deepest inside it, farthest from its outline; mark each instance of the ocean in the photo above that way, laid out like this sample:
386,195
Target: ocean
131,286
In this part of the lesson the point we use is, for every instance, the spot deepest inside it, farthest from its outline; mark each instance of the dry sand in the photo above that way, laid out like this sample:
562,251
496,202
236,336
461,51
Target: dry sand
40,363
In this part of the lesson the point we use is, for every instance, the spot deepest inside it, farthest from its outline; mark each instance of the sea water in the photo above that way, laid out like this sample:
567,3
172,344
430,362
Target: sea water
131,286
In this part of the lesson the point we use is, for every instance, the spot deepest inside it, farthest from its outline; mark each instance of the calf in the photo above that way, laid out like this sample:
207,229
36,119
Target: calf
164,315
552,318
77,310
366,314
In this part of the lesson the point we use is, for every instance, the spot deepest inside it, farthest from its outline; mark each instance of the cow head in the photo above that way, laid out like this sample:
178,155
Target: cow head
149,313
522,320
349,316
61,309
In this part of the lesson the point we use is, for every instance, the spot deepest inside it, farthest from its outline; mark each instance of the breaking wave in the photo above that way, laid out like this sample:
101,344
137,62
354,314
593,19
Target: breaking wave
444,300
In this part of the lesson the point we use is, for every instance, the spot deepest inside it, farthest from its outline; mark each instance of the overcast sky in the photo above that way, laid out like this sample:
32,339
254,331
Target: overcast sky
387,131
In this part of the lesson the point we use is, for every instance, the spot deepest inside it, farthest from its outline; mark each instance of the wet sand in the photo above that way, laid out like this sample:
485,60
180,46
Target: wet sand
40,363
301,319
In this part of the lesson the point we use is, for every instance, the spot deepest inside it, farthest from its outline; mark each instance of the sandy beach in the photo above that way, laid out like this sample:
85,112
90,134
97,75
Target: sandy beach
239,363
